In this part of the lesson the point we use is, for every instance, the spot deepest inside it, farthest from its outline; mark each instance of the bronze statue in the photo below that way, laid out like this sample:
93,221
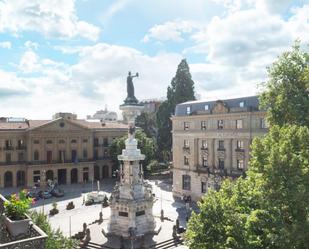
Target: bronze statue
131,99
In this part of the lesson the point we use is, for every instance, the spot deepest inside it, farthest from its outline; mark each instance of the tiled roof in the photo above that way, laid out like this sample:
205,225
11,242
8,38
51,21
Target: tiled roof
251,103
31,124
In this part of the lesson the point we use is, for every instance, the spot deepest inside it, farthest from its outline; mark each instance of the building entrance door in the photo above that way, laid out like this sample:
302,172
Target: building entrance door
74,176
62,176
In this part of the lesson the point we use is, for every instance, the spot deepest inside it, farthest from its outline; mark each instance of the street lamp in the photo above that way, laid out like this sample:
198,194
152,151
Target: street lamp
43,182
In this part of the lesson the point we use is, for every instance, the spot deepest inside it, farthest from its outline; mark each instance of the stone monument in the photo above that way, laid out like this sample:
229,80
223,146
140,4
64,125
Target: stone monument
131,201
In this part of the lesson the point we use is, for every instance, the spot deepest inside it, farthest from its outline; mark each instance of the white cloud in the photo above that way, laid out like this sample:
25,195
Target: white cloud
171,31
52,18
5,44
31,45
29,62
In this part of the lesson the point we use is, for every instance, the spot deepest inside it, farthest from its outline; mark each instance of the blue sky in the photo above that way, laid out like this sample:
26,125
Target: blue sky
66,55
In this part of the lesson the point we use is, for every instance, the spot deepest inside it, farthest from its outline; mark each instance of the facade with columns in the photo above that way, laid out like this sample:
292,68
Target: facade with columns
211,141
65,149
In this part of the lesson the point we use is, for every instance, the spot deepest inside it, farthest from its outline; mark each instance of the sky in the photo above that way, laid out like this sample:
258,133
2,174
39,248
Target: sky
74,56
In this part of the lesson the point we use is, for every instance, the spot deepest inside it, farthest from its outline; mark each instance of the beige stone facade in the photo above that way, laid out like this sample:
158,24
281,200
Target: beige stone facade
211,141
64,149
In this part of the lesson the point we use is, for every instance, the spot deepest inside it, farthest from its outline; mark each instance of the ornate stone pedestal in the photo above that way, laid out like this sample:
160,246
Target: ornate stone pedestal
131,201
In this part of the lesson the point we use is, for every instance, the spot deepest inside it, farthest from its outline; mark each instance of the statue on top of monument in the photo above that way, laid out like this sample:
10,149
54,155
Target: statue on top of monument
131,99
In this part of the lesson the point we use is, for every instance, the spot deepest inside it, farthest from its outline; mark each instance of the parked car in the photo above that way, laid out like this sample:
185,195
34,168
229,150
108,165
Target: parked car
44,194
35,196
57,192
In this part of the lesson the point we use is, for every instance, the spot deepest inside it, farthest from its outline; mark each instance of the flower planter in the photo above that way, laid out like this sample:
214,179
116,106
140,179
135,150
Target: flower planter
17,227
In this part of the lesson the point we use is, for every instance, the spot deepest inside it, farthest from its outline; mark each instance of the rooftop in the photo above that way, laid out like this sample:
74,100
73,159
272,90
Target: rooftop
237,104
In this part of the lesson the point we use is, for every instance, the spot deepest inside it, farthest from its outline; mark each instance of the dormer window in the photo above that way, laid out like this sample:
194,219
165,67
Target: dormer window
188,110
206,107
242,104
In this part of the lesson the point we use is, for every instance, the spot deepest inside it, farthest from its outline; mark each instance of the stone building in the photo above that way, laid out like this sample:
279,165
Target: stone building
65,149
211,141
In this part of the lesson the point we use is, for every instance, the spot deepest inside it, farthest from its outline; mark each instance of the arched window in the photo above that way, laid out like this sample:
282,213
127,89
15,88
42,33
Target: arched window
73,141
61,141
36,156
49,141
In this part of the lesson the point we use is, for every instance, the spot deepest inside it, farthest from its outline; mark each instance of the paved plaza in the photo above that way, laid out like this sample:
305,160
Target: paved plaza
71,222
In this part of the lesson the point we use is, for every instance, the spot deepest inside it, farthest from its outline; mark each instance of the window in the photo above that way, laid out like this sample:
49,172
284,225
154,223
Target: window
239,124
221,145
8,158
205,162
263,123
105,153
36,156
204,144
20,143
61,141
186,182
206,107
240,144
85,140
49,141
8,144
186,126
203,187
203,125
240,164
85,154
73,141
61,156
242,104
186,160
49,156
220,124
20,156
36,141
95,154
186,143
188,110
96,142
74,155
221,163
105,142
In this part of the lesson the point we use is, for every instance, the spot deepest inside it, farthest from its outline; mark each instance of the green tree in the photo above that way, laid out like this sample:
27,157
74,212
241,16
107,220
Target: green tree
267,209
181,90
286,94
55,239
147,122
146,144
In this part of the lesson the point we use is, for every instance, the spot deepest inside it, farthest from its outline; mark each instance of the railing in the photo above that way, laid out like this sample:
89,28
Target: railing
186,149
8,148
35,238
239,150
21,147
219,172
221,149
60,161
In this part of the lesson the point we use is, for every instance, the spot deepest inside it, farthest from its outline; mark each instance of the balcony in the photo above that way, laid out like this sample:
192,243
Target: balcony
204,148
240,150
8,147
221,149
96,145
60,161
36,238
21,147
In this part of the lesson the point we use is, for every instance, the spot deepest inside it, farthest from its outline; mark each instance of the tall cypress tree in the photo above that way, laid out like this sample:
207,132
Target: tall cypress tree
181,90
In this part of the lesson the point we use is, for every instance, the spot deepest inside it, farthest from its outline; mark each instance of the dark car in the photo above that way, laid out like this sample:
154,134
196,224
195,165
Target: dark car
44,194
57,193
